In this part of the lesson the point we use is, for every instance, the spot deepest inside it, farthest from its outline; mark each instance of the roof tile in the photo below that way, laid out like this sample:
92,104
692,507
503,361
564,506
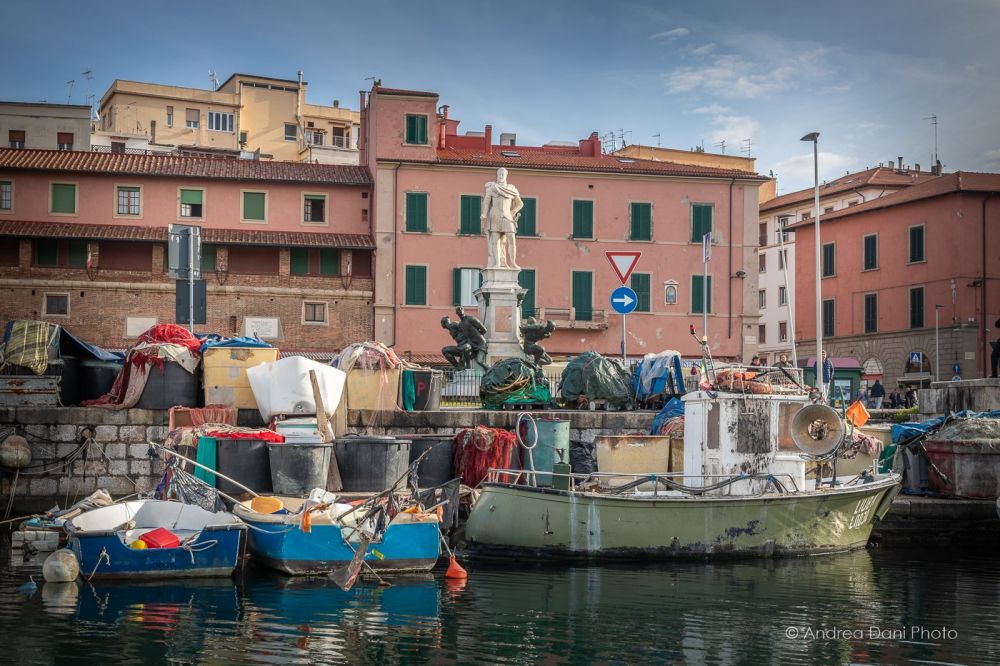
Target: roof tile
868,178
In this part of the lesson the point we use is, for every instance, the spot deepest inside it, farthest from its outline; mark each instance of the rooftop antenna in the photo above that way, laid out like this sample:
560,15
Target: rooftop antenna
88,75
214,79
934,121
722,145
657,137
746,146
69,96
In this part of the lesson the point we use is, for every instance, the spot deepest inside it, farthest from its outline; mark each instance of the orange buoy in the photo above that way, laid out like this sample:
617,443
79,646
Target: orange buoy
455,569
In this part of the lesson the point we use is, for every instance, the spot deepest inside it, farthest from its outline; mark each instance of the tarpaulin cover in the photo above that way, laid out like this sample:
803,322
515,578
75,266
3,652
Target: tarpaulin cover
514,381
246,341
28,344
596,377
70,345
659,373
904,431
673,409
284,387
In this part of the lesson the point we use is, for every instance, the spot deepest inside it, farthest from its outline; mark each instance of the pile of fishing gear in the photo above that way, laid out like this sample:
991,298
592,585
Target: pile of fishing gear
591,377
514,381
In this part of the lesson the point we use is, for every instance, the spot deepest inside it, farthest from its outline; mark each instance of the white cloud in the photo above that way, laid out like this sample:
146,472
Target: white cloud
736,77
713,109
671,34
993,158
796,173
733,130
704,49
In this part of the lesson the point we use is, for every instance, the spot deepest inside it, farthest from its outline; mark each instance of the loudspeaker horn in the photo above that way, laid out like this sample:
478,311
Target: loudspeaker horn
817,430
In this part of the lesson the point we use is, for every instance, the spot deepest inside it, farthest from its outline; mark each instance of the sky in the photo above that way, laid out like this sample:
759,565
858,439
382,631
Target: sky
866,75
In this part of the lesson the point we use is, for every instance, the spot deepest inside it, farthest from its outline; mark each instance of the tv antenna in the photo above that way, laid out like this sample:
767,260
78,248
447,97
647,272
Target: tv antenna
657,137
745,147
88,75
722,145
214,79
69,95
934,121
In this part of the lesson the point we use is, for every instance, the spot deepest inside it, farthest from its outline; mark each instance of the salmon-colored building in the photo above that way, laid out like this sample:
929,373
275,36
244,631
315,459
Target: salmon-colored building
287,246
428,181
888,264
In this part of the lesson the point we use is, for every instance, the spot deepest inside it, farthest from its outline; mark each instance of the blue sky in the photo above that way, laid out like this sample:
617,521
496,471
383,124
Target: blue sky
863,74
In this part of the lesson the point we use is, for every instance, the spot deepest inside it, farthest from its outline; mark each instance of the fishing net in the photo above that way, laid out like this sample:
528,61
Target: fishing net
479,449
515,381
591,376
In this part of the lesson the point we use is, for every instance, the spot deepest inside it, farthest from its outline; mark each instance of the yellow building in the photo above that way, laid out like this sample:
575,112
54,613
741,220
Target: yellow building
766,192
246,113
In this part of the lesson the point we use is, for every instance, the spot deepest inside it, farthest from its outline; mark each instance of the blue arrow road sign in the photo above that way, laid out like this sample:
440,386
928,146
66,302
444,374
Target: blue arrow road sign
623,300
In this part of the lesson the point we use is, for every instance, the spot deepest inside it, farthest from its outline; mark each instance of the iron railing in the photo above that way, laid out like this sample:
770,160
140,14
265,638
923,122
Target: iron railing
461,387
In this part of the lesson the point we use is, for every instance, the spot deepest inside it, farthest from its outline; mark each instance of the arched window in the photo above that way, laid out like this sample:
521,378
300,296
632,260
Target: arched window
670,292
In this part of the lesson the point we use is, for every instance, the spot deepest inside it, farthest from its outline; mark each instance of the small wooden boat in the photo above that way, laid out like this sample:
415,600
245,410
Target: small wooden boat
410,542
209,543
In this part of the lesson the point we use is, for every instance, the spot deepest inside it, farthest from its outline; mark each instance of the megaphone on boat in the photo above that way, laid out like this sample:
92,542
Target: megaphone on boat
817,430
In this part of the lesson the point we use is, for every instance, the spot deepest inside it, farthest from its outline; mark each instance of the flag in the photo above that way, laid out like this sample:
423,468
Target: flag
857,414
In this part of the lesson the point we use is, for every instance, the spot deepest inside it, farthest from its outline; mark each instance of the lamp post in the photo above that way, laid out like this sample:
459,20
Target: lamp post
814,137
937,354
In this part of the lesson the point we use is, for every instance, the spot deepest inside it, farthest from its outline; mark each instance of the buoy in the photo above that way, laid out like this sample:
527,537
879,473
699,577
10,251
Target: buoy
455,569
61,567
15,452
138,544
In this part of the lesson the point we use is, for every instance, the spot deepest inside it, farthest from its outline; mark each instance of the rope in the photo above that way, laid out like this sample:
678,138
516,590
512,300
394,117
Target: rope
102,556
197,548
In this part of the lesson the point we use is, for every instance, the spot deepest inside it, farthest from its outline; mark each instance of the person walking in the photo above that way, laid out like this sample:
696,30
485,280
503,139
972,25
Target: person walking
877,394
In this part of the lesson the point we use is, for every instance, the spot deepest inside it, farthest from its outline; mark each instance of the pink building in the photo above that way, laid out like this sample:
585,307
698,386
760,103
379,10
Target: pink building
889,264
427,186
288,250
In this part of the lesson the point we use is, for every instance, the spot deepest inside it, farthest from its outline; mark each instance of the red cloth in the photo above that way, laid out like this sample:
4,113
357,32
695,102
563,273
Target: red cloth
172,334
266,435
479,449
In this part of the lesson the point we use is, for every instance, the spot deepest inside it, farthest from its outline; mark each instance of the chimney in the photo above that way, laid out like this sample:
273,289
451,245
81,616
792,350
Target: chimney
443,134
488,139
900,162
336,103
937,166
444,111
892,165
916,167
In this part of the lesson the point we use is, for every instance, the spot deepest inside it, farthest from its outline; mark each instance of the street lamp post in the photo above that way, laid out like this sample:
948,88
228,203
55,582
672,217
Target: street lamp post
937,353
814,137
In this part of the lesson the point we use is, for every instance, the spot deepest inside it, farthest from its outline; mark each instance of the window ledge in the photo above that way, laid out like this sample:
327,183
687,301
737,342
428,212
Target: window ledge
869,270
911,263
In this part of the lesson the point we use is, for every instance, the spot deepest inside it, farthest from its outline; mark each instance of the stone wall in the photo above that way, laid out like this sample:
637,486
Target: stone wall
978,395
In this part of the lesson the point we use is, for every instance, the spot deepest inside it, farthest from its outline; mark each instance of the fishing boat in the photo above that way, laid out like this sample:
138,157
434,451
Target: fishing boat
743,492
329,538
106,541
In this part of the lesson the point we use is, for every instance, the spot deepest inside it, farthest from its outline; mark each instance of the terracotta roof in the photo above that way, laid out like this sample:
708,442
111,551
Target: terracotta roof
565,161
875,177
960,181
182,167
400,91
28,229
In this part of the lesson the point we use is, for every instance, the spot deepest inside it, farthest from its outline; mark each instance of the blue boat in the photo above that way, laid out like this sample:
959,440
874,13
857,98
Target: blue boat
210,542
410,542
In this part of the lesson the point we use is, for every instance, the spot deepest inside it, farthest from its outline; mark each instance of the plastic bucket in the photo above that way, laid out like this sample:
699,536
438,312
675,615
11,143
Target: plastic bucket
298,468
371,464
246,461
436,467
168,387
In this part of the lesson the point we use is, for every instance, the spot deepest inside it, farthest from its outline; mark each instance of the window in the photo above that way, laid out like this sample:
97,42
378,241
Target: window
642,225
128,200
192,203
6,195
16,138
291,132
209,253
526,280
701,221
762,263
698,299
828,209
871,313
314,137
170,116
465,281
526,224
829,259
306,261
782,259
56,305
298,261
782,331
780,232
640,285
254,207
63,199
244,137
762,334
192,118
829,312
77,253
917,307
806,215
782,296
46,252
762,235
118,146
416,212
469,214
220,121
583,219
64,140
871,252
416,129
916,244
314,208
853,203
762,298
314,312
416,285
582,299
54,253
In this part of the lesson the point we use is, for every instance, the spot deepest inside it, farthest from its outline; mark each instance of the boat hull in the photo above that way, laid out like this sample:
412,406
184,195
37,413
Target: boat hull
543,522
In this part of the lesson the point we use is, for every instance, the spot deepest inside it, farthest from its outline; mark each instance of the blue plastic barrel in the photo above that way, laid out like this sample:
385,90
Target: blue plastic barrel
553,436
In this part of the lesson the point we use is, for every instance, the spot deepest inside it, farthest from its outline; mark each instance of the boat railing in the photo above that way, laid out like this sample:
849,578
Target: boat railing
620,482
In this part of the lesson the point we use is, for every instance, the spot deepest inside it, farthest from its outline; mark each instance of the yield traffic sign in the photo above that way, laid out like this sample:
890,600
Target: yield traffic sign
623,300
623,263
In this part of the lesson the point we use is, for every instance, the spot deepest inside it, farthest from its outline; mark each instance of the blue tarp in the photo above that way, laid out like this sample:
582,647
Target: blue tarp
213,340
674,407
904,431
667,377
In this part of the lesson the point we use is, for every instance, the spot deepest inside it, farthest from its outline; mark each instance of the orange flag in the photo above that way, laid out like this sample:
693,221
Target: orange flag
857,414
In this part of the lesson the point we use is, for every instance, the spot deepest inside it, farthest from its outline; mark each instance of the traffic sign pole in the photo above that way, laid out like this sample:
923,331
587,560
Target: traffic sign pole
623,339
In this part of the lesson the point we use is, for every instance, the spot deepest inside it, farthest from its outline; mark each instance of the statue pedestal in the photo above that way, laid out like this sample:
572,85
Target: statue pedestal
499,302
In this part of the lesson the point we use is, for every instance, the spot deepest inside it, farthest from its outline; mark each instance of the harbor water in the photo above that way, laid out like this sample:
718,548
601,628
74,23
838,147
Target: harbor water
868,607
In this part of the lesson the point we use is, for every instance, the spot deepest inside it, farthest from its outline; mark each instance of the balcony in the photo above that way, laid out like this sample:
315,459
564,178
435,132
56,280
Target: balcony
565,318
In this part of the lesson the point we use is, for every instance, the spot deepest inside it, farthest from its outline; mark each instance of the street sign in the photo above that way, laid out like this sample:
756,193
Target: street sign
182,240
916,358
623,300
956,368
956,378
623,263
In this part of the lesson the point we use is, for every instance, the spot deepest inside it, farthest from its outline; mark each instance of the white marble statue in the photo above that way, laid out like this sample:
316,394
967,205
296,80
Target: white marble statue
500,211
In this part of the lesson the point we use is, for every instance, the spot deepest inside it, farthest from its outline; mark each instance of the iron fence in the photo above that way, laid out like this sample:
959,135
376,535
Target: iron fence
461,387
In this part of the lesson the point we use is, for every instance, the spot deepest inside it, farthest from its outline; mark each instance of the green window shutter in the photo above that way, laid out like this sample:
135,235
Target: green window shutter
697,302
640,285
829,260
329,261
254,205
583,219
642,228
526,225
78,253
208,255
192,197
416,211
871,252
416,285
469,209
299,264
829,315
46,252
582,296
416,129
63,198
456,286
701,221
526,280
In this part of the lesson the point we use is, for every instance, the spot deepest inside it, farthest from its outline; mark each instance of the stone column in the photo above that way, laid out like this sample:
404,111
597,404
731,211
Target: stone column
500,308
